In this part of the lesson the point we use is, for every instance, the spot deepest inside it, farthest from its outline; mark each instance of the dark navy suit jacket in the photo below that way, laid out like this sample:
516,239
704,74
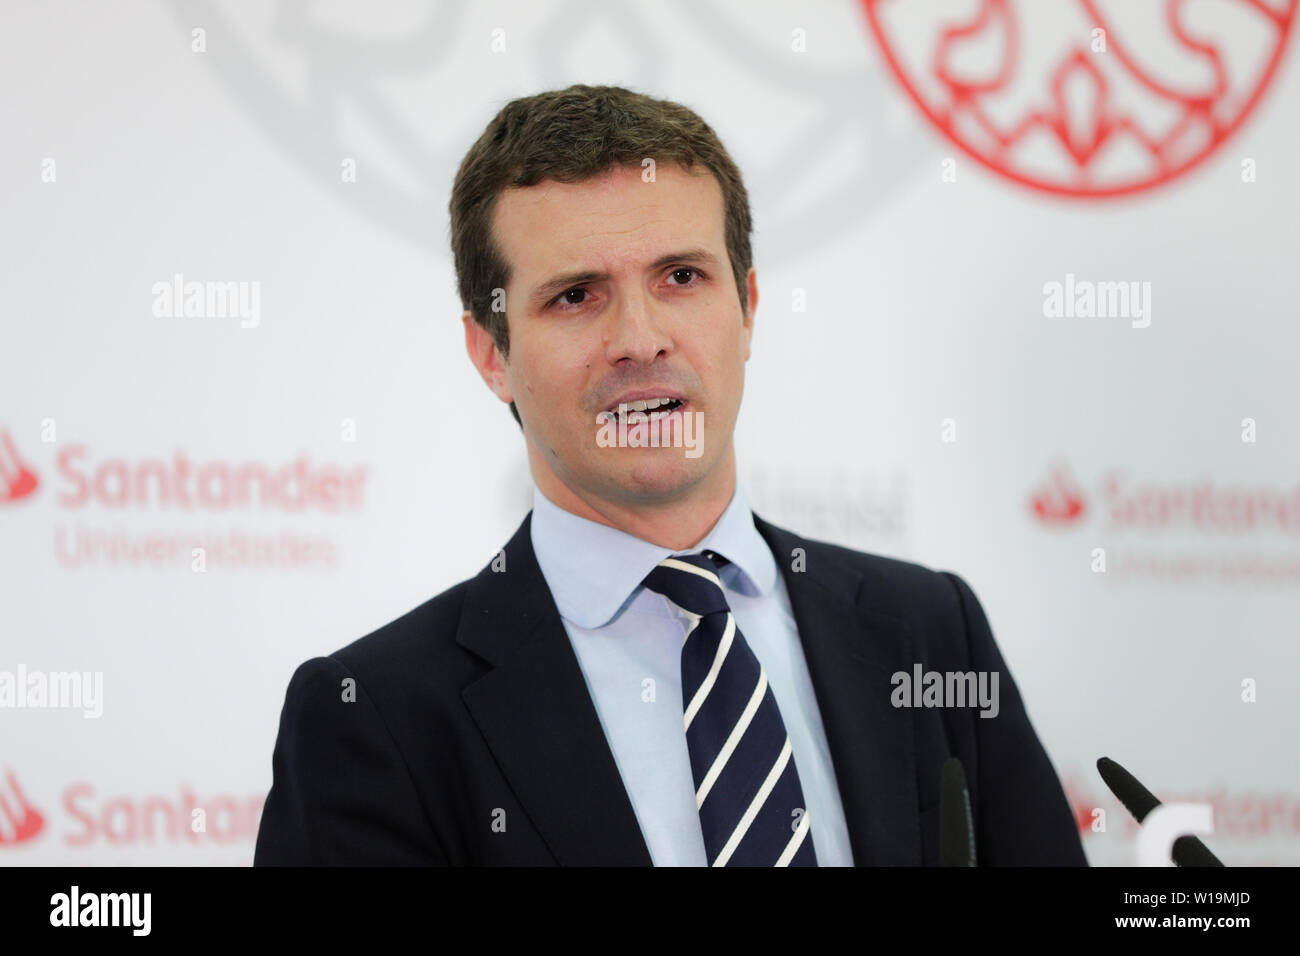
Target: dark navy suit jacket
470,737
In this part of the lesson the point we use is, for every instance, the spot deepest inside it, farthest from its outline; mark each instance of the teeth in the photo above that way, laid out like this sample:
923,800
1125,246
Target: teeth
642,405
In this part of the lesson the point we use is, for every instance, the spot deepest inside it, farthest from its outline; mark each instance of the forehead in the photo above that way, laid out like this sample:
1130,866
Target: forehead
612,220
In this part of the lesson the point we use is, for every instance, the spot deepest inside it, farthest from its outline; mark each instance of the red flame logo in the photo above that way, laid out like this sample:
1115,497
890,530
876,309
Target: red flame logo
1059,500
16,479
19,820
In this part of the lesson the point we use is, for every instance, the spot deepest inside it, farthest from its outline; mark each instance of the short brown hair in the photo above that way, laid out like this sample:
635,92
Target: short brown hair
571,135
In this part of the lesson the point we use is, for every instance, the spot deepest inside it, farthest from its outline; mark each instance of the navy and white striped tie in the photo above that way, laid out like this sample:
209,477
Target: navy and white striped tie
747,790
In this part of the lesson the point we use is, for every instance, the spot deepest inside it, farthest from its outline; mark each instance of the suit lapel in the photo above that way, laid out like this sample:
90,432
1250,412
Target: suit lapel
852,653
537,717
535,713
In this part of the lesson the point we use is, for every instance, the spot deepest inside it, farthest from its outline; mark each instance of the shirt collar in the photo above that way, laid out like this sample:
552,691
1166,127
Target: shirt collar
593,570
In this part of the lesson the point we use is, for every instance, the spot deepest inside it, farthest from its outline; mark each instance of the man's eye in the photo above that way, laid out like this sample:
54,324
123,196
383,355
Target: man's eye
567,297
579,294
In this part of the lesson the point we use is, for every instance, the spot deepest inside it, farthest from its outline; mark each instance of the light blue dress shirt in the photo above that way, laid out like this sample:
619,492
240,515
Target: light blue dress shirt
628,642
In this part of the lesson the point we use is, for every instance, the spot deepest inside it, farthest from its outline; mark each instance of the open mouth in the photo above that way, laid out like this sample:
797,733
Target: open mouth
650,409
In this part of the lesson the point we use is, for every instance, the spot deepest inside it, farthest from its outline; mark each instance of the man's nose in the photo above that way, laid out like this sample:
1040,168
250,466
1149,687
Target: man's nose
636,330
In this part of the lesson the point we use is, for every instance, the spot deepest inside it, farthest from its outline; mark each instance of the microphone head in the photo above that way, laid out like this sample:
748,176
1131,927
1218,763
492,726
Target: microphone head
956,826
1139,801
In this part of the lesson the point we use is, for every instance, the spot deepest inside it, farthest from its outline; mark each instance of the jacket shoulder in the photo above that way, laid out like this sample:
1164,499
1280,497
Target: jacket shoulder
423,640
894,587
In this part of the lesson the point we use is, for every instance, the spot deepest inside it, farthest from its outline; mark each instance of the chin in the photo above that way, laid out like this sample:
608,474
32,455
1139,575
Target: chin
665,478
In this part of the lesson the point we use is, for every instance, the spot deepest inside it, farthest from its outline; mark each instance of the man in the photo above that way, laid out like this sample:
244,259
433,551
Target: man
648,672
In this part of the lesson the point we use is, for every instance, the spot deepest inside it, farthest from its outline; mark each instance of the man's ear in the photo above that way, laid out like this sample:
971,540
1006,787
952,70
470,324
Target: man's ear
485,355
751,304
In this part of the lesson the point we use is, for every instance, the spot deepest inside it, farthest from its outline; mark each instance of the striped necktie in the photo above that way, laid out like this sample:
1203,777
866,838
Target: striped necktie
751,806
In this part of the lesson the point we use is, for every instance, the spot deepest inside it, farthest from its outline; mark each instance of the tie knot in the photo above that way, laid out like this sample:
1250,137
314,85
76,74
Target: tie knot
690,581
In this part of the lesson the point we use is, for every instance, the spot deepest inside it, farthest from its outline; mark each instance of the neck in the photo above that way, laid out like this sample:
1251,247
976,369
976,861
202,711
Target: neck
679,523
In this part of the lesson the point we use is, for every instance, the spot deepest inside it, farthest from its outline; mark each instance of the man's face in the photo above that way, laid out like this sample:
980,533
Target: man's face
619,290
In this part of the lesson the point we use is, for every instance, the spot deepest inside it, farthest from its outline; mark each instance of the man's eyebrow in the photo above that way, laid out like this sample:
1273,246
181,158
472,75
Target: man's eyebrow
554,286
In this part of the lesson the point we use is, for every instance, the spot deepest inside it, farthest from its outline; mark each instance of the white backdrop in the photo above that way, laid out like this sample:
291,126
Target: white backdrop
917,406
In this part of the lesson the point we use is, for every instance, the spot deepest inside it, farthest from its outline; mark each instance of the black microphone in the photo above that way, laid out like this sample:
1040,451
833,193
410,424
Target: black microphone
956,828
1139,801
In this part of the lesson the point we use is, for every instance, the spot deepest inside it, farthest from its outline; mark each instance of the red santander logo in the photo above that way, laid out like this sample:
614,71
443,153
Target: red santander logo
17,480
1198,504
1058,501
182,483
1085,98
179,482
122,820
19,820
